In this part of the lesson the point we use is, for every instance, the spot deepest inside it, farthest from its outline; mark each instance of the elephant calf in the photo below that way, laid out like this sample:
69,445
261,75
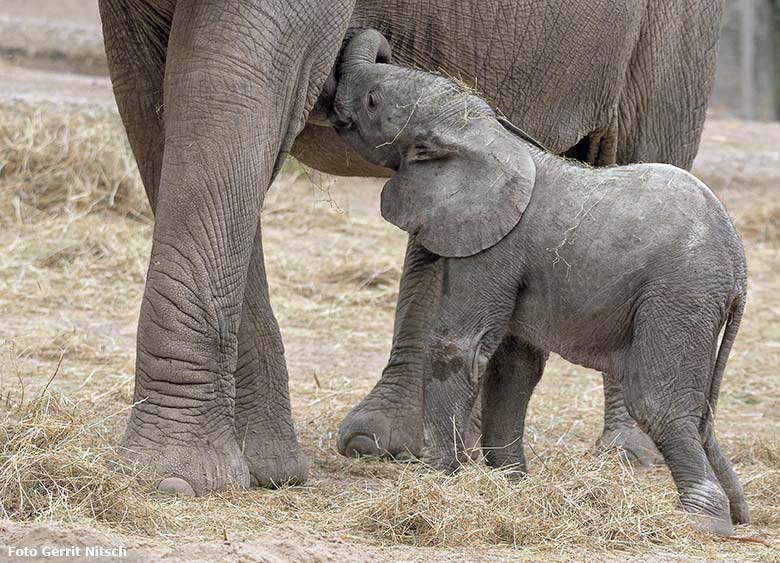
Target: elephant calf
631,270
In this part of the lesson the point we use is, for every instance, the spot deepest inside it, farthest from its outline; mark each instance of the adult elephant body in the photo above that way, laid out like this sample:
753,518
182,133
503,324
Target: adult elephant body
214,94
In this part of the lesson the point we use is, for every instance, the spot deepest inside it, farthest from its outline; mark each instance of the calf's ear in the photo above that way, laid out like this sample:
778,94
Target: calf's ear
461,197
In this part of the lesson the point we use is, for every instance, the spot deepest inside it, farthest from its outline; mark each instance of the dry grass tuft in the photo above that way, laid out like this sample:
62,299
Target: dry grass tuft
756,450
53,466
364,276
568,502
66,162
763,494
757,459
761,223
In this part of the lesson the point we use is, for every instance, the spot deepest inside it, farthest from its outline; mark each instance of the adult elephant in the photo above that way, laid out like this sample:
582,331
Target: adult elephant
214,94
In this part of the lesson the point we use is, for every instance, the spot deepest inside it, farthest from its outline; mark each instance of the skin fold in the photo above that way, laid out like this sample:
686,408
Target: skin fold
632,270
214,95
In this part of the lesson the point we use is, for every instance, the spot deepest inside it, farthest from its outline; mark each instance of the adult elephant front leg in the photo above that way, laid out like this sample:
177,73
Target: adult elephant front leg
239,80
263,418
136,39
388,421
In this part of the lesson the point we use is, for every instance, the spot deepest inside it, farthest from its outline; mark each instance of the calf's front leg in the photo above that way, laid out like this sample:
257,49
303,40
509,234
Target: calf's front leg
471,318
621,431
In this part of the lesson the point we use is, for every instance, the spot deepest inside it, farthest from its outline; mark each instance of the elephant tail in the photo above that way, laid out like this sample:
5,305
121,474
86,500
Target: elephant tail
740,514
733,318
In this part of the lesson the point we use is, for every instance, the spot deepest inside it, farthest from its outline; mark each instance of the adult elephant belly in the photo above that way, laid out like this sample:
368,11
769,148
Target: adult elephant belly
614,83
322,149
559,81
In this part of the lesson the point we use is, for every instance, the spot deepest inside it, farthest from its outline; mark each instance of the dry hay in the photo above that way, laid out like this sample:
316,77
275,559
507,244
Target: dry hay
75,238
65,162
569,501
761,223
53,466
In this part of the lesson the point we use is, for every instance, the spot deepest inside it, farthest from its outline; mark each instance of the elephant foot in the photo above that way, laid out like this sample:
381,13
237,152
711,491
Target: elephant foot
711,525
186,467
708,508
274,465
634,446
740,513
379,427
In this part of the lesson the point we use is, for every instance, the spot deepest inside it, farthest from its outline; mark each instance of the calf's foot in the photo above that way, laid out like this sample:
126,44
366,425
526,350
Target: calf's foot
388,423
708,508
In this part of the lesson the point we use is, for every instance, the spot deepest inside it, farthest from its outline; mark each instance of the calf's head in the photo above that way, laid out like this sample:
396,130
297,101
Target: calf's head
462,180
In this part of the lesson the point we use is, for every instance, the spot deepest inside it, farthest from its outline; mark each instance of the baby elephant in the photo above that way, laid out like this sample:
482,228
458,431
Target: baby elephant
631,270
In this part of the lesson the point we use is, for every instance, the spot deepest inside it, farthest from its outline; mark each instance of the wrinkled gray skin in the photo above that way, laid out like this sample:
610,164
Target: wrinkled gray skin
631,270
215,94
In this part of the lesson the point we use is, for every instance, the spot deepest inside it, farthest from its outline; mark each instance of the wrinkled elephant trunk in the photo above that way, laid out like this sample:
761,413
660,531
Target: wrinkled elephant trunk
368,47
233,107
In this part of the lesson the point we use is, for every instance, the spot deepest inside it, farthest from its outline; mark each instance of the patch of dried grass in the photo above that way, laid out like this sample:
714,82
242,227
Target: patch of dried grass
757,460
356,280
762,489
756,450
53,466
364,276
66,162
569,502
760,223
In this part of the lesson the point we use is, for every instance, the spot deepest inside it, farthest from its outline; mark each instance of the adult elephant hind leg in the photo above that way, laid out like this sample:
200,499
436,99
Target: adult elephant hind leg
388,421
621,431
263,419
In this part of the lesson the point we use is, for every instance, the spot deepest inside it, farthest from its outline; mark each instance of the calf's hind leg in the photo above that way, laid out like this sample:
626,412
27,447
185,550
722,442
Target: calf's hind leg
510,378
666,379
740,514
621,431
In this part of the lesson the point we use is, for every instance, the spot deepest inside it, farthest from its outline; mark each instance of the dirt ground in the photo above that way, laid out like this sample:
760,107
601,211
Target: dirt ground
74,243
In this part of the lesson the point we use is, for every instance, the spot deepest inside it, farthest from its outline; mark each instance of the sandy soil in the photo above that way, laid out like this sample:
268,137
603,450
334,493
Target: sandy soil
70,285
84,12
62,35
